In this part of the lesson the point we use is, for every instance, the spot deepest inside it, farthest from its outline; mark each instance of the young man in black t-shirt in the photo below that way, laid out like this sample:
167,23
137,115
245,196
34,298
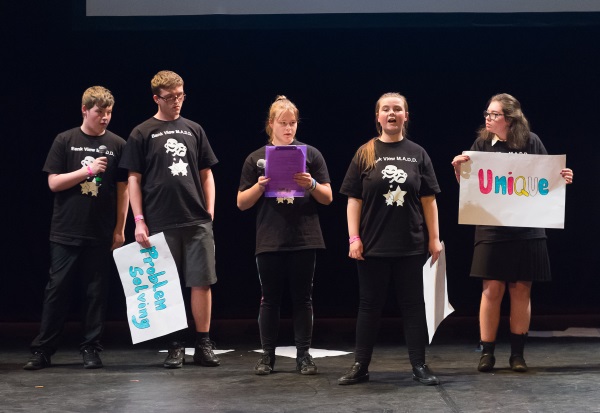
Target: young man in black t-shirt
173,191
90,208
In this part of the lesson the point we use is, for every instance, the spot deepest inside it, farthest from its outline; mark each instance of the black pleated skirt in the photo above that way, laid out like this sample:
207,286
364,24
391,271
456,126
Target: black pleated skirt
518,260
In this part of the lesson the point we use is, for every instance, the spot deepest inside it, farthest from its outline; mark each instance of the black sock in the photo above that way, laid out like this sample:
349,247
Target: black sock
487,347
301,352
517,344
201,336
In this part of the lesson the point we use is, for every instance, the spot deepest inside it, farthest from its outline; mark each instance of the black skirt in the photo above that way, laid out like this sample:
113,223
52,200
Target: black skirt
518,260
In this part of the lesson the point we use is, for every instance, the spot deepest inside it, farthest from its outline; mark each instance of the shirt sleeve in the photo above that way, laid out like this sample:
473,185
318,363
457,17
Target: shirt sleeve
55,161
318,167
477,146
429,184
537,145
133,158
352,184
249,174
206,157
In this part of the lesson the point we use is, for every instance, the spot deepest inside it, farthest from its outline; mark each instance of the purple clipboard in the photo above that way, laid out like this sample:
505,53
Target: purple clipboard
282,162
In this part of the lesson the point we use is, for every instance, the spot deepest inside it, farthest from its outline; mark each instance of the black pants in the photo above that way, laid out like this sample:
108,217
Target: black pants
85,268
374,276
297,268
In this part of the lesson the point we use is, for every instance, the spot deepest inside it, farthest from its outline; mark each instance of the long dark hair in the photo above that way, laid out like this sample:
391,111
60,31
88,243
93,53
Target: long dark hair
518,128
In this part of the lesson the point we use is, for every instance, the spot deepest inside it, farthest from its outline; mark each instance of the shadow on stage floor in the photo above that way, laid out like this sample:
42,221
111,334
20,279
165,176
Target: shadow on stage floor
564,373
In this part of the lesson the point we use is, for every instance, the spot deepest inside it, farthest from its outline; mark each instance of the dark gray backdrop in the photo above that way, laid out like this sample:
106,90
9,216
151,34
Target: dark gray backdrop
334,68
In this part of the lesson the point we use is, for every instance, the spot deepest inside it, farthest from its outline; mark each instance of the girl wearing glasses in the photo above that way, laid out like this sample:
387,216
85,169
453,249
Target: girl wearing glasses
507,130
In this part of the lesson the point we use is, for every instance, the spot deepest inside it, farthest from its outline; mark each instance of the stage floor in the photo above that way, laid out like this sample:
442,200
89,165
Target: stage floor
564,375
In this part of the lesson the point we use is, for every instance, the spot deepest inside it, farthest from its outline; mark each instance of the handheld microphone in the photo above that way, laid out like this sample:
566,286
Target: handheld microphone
102,151
260,164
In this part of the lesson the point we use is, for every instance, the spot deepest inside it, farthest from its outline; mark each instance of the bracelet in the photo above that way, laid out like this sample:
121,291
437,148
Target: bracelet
313,185
90,173
353,238
138,218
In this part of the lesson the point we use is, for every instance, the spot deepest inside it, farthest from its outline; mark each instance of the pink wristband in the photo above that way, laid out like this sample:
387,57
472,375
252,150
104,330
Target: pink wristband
90,173
138,218
354,238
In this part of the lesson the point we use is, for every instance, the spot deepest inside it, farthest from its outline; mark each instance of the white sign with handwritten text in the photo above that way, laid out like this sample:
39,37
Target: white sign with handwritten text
155,305
510,189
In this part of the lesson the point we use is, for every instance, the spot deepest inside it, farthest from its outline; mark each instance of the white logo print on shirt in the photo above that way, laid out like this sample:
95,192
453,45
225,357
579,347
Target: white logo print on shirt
178,149
393,174
89,187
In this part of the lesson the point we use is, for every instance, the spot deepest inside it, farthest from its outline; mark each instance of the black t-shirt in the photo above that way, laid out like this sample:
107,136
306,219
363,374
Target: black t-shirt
286,224
86,213
391,221
169,156
487,233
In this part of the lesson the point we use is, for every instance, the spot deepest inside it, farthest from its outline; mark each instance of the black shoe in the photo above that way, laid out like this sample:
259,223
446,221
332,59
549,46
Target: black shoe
37,361
204,354
306,365
357,374
517,363
175,359
422,373
486,362
91,359
265,365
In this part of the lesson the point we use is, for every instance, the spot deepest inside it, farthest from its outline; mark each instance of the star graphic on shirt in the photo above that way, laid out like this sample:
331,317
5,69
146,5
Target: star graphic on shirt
282,199
396,196
89,188
179,168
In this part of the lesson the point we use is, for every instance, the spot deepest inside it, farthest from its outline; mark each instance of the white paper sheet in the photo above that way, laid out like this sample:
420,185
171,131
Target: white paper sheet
290,351
152,289
189,351
435,292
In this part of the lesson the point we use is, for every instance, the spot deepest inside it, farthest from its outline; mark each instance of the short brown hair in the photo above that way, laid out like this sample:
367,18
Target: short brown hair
165,79
97,95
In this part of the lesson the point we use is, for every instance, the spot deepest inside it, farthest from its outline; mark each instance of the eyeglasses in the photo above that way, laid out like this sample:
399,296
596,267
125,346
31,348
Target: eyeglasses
173,98
492,115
